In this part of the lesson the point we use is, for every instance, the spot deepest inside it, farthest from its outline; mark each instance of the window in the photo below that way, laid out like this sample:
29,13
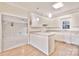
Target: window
66,25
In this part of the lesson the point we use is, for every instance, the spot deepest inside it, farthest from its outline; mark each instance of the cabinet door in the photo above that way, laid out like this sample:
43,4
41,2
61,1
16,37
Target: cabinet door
59,37
75,39
40,42
67,37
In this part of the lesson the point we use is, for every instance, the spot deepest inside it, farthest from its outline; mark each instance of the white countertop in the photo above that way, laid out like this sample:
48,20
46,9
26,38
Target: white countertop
45,33
66,30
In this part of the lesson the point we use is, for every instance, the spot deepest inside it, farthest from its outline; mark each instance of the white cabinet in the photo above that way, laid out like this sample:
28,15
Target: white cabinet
44,43
71,37
67,37
39,42
63,36
59,37
75,39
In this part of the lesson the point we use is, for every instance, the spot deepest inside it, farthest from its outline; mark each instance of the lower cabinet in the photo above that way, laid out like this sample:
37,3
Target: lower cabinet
68,37
43,43
75,39
59,37
72,38
63,37
46,43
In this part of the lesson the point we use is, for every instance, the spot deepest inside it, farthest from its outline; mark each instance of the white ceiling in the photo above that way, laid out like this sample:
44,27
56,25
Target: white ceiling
43,8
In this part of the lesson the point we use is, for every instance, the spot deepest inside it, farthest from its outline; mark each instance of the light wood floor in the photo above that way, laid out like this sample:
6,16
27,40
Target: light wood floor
62,49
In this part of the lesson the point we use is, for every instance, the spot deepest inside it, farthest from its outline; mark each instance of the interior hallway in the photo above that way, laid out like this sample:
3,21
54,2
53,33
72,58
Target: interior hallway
62,49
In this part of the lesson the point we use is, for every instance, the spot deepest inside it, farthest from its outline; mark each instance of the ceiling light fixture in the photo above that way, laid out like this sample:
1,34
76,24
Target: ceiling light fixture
37,19
58,5
49,15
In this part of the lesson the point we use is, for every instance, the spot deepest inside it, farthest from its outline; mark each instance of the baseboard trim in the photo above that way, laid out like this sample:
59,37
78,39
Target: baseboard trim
14,47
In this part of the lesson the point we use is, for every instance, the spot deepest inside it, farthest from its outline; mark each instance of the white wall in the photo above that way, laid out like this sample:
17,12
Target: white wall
13,36
55,22
0,33
5,8
74,20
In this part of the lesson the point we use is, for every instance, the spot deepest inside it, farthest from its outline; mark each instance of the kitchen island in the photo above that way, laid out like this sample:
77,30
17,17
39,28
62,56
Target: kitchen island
44,41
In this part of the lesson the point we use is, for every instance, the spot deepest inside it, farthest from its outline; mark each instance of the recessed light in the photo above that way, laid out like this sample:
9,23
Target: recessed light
58,5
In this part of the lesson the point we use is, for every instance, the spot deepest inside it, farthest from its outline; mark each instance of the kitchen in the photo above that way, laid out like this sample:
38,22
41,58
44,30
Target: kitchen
40,26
